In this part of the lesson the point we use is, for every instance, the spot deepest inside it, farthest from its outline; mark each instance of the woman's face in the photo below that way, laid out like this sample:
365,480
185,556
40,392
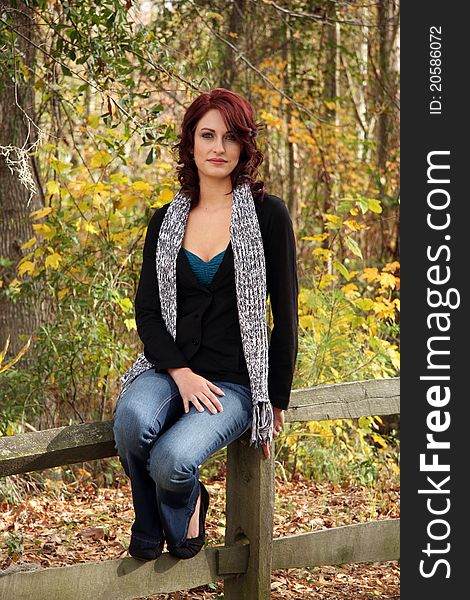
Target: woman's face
216,151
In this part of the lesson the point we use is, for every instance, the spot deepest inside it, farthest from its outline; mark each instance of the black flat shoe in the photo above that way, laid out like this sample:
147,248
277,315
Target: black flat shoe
194,545
143,552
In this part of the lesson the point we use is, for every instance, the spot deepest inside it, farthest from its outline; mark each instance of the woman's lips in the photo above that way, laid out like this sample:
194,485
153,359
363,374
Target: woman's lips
217,162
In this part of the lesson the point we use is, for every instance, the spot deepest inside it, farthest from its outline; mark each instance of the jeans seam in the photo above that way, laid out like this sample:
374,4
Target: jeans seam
160,408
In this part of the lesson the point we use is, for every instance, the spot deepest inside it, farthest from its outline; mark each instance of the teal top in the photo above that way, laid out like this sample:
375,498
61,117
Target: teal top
204,271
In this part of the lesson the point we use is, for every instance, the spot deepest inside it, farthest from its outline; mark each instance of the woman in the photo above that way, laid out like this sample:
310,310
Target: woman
208,371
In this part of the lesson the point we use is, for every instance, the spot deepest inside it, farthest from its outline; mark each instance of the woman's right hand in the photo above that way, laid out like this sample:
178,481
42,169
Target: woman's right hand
196,389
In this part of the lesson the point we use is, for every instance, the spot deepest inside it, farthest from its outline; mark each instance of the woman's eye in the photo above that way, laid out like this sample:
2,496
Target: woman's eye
230,136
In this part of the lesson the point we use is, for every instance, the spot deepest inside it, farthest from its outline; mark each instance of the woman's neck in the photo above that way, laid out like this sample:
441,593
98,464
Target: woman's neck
214,193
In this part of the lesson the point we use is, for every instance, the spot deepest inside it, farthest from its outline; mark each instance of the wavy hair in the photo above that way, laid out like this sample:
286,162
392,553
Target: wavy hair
238,115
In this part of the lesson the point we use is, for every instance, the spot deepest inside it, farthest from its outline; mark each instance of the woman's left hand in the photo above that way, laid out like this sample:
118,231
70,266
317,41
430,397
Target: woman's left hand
278,425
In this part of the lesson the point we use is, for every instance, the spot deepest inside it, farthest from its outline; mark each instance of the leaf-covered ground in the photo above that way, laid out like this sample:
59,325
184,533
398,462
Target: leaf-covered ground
80,522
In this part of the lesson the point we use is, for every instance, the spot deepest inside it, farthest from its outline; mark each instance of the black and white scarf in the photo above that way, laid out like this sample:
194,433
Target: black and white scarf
250,284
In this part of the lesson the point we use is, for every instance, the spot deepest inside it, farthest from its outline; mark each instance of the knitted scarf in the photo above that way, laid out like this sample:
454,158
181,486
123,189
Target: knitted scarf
250,284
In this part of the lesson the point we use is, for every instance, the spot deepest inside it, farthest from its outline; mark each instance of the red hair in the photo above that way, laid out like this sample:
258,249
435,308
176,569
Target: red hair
238,115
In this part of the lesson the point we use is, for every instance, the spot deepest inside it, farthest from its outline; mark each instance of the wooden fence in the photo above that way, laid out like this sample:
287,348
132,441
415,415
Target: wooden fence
250,552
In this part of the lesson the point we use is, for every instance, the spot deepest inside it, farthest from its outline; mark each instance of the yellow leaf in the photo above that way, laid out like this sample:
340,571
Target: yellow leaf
115,134
370,274
388,280
130,324
15,285
99,201
93,121
14,360
100,159
391,267
322,253
326,280
384,308
364,303
165,195
126,304
40,213
89,227
349,287
164,165
306,321
53,260
62,293
375,205
354,225
319,237
332,218
44,230
142,186
52,187
29,243
379,440
126,201
118,178
26,267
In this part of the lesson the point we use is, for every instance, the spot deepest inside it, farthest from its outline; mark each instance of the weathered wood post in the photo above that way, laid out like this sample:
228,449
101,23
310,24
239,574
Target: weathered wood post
250,515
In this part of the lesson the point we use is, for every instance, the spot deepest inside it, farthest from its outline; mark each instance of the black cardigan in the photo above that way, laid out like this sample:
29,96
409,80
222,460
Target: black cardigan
208,338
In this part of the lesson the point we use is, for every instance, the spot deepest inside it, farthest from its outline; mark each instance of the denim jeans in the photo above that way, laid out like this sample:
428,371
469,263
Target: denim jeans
161,449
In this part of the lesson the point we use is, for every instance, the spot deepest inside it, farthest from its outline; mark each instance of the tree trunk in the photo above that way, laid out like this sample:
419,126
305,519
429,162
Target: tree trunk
236,25
16,99
388,23
331,93
387,88
291,196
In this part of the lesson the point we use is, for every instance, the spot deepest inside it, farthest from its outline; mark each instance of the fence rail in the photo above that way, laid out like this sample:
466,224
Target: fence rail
250,552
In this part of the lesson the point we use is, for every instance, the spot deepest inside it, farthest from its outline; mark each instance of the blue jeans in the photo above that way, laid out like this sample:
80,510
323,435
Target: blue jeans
161,449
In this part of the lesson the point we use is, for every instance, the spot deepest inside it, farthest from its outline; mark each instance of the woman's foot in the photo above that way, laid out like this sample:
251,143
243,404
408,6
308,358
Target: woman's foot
194,545
193,529
142,552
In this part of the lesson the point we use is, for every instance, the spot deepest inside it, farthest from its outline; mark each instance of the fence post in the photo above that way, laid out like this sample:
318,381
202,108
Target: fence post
249,517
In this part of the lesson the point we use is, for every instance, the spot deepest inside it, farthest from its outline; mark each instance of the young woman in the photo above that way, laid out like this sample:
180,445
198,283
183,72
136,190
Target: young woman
211,369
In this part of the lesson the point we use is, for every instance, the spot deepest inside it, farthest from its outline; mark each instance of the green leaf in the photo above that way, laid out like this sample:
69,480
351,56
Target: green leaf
150,157
353,246
364,303
157,108
363,204
341,268
375,205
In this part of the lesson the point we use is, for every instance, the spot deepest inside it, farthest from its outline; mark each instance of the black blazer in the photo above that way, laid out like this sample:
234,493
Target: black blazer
208,338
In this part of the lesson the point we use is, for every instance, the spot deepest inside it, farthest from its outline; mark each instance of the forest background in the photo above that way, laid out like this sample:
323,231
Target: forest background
91,95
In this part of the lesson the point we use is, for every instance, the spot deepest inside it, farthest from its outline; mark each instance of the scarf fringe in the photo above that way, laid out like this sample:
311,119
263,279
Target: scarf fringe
262,426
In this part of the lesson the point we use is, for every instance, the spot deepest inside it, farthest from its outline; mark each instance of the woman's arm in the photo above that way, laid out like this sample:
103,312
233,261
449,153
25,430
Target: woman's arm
282,283
159,346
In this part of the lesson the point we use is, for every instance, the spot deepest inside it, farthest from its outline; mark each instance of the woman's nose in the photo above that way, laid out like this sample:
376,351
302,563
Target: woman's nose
219,144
